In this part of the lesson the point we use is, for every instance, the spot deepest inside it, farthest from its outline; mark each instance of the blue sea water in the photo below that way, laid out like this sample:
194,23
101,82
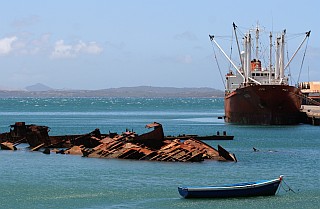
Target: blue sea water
34,180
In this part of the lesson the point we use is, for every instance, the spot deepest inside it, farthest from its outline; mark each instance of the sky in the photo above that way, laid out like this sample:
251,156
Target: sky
99,44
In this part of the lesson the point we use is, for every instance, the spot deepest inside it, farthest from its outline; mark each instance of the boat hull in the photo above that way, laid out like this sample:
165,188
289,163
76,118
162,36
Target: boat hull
264,105
249,189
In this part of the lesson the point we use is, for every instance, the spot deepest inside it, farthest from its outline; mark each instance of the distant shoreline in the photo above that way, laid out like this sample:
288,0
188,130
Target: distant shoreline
134,92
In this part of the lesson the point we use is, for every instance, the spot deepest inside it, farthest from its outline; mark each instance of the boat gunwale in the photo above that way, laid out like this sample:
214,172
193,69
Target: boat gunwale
247,185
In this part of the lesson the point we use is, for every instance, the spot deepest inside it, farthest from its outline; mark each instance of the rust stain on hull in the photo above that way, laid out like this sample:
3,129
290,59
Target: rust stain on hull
264,105
128,145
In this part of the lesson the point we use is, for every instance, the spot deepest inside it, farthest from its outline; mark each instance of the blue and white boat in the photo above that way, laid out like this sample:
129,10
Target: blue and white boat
246,189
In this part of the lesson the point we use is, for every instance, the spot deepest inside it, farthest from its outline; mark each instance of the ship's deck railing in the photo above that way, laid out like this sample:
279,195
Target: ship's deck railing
310,91
309,100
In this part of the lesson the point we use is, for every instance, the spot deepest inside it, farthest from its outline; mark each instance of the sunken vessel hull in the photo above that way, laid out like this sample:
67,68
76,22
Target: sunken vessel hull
264,105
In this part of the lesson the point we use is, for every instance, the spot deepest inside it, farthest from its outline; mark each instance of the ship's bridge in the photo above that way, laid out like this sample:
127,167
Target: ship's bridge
261,75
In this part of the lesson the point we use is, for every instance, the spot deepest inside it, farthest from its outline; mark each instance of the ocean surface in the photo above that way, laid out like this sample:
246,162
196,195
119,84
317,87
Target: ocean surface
35,180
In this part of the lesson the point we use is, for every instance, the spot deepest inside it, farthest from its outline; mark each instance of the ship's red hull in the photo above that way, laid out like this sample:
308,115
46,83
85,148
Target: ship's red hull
264,105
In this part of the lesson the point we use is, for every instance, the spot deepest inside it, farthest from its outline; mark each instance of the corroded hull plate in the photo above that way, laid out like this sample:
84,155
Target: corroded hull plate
264,105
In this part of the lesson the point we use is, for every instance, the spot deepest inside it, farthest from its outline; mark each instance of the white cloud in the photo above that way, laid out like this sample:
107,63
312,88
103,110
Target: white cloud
62,50
26,45
6,45
92,48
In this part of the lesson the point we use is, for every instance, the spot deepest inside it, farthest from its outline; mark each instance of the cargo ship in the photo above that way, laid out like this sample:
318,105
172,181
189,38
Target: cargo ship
257,94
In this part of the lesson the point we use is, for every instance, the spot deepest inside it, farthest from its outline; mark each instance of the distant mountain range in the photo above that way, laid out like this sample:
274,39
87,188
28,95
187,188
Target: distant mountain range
42,91
38,87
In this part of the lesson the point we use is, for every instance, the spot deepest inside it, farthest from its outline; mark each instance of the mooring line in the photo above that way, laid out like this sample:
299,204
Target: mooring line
289,188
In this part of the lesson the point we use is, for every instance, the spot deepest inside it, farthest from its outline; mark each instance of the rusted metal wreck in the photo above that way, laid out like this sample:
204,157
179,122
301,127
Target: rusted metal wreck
152,145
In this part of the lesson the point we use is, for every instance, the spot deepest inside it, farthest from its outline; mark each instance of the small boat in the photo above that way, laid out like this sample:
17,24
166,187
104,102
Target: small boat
246,189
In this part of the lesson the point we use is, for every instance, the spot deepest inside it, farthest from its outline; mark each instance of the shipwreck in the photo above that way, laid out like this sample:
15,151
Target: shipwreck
152,145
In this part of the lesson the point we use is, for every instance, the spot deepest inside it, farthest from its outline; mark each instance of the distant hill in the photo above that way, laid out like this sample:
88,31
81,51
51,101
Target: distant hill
43,91
38,87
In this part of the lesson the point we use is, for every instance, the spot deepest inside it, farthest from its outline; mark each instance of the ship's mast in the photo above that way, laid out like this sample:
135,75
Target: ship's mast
257,42
270,58
250,71
247,56
281,58
276,61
